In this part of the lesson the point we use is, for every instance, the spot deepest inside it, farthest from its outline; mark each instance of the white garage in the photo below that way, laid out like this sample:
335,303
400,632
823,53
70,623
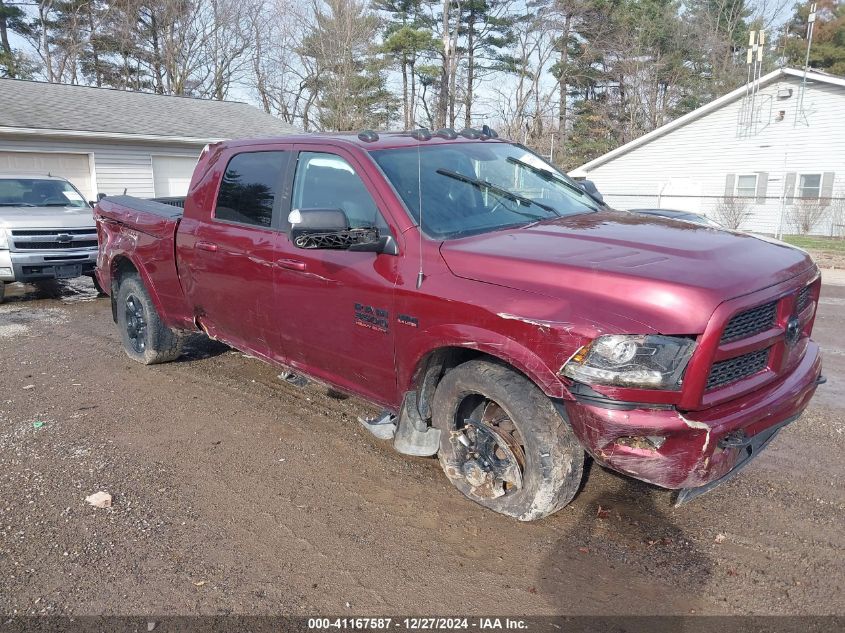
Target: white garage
75,167
112,141
172,175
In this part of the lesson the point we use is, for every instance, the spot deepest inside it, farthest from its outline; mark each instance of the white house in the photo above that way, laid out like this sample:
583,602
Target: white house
769,148
105,141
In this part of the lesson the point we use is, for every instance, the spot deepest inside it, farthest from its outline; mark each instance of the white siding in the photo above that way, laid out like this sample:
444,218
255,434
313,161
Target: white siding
117,166
701,153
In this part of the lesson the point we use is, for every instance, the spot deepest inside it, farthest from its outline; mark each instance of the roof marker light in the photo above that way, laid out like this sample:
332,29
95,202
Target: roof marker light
422,134
368,136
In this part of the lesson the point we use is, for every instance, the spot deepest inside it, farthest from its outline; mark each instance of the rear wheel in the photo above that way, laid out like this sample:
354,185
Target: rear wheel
504,445
2,291
145,338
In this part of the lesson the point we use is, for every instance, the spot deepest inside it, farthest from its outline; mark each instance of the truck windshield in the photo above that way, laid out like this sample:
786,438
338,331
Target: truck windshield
38,192
470,188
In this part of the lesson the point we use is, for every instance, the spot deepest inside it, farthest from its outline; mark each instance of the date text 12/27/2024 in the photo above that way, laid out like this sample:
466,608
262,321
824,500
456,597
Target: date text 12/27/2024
417,624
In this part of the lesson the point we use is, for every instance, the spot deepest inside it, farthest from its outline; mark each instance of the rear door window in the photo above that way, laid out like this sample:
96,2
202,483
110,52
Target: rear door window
250,186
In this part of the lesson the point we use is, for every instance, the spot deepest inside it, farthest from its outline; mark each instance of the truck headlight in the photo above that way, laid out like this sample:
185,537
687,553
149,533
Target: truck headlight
646,361
4,240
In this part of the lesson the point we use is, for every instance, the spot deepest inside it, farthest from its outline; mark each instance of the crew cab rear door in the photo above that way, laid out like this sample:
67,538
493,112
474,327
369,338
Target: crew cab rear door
337,305
229,250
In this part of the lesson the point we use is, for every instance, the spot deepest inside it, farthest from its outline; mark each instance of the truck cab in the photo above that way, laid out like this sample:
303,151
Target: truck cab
47,230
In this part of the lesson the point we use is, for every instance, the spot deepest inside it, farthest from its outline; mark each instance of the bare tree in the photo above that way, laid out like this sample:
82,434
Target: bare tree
806,214
732,211
525,108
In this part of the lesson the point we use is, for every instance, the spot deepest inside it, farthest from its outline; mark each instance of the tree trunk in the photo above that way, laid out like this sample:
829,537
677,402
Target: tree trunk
5,46
95,55
413,102
46,53
453,77
405,105
443,101
470,68
159,78
563,88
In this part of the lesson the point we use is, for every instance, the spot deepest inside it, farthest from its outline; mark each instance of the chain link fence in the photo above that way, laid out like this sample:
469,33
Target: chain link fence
773,215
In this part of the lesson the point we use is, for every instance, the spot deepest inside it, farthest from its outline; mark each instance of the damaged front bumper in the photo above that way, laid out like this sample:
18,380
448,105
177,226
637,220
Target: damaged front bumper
694,451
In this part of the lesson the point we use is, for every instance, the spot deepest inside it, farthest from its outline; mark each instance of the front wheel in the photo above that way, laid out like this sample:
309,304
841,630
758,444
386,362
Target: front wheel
97,286
145,338
503,443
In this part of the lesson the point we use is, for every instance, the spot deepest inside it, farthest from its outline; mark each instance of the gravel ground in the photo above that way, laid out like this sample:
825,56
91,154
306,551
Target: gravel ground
234,492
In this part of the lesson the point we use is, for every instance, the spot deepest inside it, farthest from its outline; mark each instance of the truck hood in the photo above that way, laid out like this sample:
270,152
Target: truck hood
46,217
666,275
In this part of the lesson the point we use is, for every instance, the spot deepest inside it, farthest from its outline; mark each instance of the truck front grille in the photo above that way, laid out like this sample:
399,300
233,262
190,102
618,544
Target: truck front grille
52,246
728,371
53,239
47,232
750,322
803,299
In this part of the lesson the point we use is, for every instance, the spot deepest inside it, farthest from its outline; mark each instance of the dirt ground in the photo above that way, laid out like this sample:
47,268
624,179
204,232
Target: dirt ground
237,493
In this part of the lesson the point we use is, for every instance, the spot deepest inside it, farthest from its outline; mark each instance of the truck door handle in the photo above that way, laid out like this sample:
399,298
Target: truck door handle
292,264
207,246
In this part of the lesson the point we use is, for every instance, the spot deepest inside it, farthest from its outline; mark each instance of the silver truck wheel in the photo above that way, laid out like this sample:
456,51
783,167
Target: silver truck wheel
145,338
503,443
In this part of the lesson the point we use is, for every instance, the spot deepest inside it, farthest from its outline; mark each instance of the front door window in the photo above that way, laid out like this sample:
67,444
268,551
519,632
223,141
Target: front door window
327,181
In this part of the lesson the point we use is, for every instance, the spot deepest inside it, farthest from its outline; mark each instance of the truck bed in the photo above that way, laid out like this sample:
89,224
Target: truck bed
144,233
154,218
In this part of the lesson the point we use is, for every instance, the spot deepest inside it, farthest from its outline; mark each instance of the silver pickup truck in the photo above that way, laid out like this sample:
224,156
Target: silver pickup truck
47,230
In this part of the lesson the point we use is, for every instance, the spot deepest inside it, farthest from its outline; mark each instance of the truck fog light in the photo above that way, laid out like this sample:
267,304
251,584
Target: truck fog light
645,442
6,272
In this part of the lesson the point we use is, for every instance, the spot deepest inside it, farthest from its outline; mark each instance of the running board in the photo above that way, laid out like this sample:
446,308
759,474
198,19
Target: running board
383,426
292,378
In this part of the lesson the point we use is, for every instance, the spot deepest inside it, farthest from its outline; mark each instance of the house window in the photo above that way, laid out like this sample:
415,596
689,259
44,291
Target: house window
810,186
746,186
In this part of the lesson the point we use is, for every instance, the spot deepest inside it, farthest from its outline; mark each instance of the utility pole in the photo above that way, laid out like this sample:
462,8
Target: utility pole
811,21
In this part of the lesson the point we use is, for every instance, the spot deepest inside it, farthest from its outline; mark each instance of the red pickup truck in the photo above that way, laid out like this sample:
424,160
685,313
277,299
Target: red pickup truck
507,322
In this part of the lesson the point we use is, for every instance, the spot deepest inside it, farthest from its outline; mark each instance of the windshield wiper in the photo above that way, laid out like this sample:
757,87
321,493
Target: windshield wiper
16,204
547,175
510,195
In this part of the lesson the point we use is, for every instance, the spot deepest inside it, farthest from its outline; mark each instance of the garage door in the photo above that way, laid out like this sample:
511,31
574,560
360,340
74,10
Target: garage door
74,167
172,174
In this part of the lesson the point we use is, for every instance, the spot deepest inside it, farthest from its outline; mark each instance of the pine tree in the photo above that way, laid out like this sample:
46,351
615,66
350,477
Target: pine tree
12,62
828,50
486,32
406,38
349,75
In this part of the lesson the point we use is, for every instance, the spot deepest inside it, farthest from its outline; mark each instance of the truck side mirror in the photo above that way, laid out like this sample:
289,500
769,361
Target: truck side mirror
330,229
319,220
591,190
